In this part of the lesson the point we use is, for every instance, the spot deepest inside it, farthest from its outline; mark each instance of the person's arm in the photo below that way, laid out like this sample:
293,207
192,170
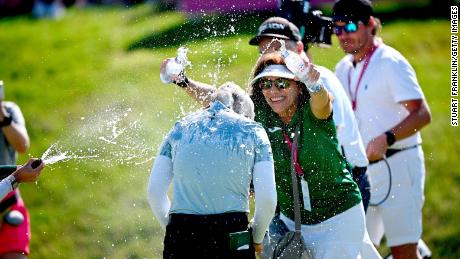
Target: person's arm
321,104
199,91
419,116
321,99
265,199
160,179
6,186
22,174
14,129
26,173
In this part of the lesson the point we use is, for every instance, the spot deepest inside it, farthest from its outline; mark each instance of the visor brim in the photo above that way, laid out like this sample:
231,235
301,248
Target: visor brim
274,71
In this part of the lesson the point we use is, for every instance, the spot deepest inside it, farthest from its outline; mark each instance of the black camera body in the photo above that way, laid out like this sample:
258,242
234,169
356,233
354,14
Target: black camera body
318,29
314,27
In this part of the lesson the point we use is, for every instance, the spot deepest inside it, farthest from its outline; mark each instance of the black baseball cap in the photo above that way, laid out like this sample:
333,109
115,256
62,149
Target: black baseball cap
352,11
277,27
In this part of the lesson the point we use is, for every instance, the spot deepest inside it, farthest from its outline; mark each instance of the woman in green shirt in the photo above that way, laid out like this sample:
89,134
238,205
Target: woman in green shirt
332,216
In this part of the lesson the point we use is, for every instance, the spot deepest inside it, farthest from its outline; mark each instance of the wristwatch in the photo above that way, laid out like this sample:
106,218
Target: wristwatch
315,88
6,121
391,138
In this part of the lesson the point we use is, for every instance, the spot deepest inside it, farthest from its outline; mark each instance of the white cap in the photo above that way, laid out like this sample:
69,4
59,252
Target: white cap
275,71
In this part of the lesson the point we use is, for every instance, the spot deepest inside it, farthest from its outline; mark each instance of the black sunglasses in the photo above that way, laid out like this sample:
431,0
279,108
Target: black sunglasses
350,27
280,83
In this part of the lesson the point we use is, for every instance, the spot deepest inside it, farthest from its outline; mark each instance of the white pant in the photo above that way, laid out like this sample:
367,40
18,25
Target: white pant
342,236
399,217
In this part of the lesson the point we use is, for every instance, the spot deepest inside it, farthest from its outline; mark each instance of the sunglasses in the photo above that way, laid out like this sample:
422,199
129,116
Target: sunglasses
348,28
280,83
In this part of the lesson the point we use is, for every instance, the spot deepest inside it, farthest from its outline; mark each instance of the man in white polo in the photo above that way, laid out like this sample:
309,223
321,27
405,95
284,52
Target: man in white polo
390,109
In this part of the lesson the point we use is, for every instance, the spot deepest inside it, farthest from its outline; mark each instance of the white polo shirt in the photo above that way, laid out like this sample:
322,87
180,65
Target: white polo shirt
344,119
388,80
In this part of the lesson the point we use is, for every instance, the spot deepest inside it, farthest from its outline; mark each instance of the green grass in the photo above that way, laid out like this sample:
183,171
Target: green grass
71,76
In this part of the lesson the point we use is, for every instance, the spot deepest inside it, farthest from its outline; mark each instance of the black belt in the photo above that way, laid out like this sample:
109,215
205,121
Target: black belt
6,203
209,219
392,151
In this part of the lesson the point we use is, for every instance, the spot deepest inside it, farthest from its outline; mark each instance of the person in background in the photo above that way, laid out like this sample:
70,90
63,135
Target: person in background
391,110
210,157
53,9
14,242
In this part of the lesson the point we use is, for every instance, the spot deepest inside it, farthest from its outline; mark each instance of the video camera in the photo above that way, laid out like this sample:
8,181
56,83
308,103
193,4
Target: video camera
314,27
318,29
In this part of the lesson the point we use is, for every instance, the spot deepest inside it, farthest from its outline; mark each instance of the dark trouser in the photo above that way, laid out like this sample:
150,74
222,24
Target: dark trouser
360,177
205,236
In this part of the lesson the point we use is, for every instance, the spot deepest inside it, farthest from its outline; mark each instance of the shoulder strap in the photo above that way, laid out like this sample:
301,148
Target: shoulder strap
295,183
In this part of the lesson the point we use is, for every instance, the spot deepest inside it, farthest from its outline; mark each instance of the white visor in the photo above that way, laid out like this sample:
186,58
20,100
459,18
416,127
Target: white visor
275,71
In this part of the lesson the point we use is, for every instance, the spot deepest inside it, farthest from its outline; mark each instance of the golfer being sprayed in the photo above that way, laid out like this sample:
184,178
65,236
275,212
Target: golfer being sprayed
211,157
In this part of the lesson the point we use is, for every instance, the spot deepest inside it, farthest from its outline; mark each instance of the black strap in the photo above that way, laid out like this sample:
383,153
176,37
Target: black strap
392,151
6,203
295,184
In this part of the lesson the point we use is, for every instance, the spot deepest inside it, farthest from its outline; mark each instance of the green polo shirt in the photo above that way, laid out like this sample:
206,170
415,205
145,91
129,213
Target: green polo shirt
332,189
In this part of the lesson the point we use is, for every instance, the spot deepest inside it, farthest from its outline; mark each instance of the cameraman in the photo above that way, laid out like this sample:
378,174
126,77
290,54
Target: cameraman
313,26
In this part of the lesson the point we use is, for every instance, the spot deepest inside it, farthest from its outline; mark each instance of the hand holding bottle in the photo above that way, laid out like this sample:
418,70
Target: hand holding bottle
304,71
313,82
172,69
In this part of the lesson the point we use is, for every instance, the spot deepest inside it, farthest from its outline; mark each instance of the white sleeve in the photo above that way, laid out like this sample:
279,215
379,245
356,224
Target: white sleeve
334,86
347,127
350,138
402,80
5,187
265,198
160,179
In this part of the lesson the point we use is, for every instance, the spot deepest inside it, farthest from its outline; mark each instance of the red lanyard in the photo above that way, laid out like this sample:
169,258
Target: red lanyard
297,167
366,63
